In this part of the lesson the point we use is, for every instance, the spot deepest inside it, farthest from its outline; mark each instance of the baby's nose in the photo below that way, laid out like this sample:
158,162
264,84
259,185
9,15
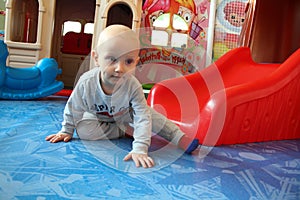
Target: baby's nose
120,67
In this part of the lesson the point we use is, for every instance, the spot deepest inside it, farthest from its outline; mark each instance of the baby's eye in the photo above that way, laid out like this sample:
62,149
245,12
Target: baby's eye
111,59
129,61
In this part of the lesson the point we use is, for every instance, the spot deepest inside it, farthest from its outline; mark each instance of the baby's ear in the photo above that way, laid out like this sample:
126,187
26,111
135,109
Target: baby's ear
94,55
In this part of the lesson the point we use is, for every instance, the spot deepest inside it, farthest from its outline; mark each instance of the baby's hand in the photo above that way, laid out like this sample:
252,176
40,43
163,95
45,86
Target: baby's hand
59,137
140,159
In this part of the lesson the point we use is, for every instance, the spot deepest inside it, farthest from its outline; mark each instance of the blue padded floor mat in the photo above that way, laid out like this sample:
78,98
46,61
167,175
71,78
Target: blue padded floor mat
32,168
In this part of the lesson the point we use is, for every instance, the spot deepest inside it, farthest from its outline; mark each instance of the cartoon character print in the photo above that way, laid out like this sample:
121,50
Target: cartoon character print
186,11
235,13
195,17
152,9
181,11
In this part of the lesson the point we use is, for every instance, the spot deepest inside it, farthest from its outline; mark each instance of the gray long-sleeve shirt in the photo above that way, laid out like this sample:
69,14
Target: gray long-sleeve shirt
88,96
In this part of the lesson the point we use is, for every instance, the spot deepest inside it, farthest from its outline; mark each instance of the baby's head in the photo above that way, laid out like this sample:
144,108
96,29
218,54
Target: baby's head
121,32
117,53
116,39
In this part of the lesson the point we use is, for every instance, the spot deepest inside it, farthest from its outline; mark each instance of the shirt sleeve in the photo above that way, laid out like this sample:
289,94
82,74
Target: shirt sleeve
74,110
142,122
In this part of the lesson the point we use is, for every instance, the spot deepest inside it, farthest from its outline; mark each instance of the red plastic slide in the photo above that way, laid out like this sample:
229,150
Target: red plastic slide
234,100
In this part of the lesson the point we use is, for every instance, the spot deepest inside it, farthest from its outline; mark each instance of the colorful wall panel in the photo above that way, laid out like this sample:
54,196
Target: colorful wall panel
174,38
230,16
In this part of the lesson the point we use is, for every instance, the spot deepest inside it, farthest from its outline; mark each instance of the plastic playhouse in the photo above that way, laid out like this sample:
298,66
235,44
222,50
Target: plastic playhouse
28,83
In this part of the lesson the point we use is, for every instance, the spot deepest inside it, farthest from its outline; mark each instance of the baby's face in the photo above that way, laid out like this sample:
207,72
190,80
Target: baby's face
116,58
114,66
117,54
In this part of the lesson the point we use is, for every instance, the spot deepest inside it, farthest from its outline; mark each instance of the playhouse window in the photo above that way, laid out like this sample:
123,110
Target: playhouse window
163,21
161,37
24,21
89,28
71,26
179,40
120,14
179,23
77,37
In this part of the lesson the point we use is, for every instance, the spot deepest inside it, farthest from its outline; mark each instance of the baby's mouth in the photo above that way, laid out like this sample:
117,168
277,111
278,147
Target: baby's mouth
116,77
